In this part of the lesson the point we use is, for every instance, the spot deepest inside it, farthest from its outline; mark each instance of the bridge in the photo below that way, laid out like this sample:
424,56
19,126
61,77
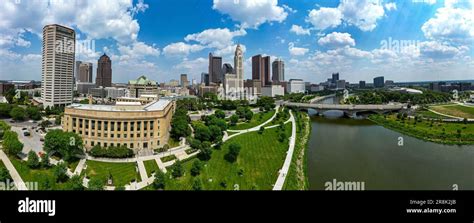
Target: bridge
349,110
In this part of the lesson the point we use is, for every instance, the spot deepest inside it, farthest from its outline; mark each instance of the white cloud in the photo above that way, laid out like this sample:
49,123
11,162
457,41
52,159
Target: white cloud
137,50
251,13
436,50
229,50
180,49
363,14
215,38
336,40
298,30
296,51
451,24
325,18
289,9
390,6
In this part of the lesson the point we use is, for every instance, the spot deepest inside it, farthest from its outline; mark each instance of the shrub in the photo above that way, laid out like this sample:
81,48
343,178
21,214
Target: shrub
196,168
159,182
234,150
33,160
177,169
111,152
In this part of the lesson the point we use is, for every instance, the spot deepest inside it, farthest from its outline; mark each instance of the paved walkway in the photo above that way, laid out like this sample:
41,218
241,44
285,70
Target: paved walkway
80,167
289,155
19,183
142,170
450,116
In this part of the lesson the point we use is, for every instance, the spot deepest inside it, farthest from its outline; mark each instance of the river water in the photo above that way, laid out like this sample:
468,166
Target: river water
349,150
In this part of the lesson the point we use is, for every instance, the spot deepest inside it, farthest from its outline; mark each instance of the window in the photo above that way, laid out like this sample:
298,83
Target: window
118,136
132,126
125,126
145,145
105,144
139,125
131,135
106,125
92,143
99,125
131,145
151,134
112,135
152,123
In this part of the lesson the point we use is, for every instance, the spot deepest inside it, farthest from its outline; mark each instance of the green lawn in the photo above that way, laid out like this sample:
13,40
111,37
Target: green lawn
440,132
73,164
282,116
455,110
168,158
36,175
3,166
430,114
260,159
122,173
257,120
173,142
151,167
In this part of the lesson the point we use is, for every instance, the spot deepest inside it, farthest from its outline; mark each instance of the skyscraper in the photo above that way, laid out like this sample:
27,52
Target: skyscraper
205,78
85,73
184,80
215,69
278,69
104,72
261,69
239,65
58,65
335,78
379,82
227,69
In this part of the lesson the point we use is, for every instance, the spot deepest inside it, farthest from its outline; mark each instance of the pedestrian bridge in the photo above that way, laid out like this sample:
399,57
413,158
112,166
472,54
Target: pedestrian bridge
350,110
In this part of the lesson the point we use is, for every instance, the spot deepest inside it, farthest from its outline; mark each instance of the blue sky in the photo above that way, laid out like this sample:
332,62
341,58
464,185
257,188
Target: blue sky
360,39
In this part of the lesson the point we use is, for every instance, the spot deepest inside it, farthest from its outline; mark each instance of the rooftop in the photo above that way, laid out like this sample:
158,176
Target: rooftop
124,107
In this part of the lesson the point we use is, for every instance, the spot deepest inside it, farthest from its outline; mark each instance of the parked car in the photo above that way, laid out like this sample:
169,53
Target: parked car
24,129
26,133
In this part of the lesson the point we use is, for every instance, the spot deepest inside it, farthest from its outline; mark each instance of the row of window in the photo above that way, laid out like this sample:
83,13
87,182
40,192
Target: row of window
114,126
116,136
128,145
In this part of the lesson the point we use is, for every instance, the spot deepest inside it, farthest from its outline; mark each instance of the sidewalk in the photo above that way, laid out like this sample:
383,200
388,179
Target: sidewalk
19,183
289,156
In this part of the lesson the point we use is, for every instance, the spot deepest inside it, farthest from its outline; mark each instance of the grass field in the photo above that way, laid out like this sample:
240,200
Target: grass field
430,114
151,167
122,173
168,158
282,116
259,160
455,110
173,142
439,132
257,120
36,175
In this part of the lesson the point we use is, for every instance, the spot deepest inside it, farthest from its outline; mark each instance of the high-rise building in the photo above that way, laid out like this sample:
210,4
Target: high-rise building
205,79
227,69
85,73
278,69
261,69
239,65
142,86
379,82
104,72
184,80
335,78
215,69
361,84
58,65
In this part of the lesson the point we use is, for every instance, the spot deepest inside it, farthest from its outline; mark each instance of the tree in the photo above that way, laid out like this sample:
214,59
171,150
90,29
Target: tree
96,183
45,181
202,132
75,183
234,151
18,113
11,144
5,110
206,151
33,113
248,115
282,137
3,127
60,172
33,160
177,169
234,119
196,168
240,112
4,174
44,163
159,182
216,133
67,144
57,119
197,184
220,114
261,130
180,128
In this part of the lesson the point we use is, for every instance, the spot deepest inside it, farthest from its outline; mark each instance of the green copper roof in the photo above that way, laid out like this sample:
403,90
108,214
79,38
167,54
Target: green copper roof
142,80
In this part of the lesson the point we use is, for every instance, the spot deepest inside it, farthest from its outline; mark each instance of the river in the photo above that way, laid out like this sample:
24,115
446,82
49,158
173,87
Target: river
349,150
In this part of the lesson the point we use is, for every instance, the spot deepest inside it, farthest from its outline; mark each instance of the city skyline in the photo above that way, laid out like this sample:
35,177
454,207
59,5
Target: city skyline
314,40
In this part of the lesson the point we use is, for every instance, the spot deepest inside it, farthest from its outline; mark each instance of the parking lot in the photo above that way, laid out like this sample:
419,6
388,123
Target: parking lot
31,142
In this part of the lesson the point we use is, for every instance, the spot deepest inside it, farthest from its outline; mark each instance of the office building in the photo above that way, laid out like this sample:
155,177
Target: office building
335,78
379,82
142,86
278,71
205,79
104,72
58,65
273,91
215,69
296,86
361,84
184,80
133,125
261,69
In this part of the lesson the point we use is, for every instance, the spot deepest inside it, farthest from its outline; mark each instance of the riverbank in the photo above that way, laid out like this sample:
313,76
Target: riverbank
297,178
433,131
